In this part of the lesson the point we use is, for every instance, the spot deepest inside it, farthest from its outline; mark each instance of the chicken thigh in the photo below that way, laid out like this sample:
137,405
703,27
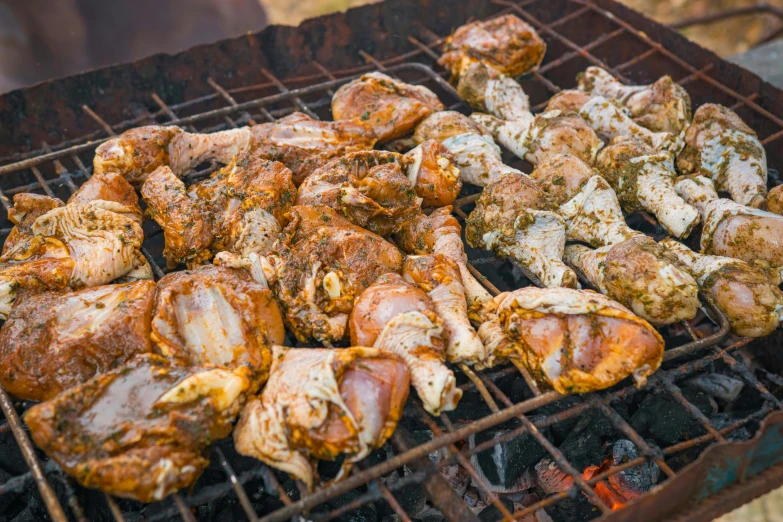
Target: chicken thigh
54,341
434,175
140,430
391,107
320,404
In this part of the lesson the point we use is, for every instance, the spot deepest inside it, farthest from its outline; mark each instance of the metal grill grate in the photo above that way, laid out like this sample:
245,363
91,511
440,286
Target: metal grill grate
586,35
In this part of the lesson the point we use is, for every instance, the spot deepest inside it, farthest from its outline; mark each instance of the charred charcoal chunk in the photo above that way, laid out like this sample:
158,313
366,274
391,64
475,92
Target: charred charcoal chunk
716,385
661,418
633,482
492,514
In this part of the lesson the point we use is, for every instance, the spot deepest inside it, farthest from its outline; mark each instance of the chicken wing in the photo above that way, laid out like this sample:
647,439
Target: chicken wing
434,174
574,341
733,230
472,146
319,265
109,186
71,247
753,303
139,431
644,180
320,404
303,144
239,208
136,153
720,146
440,232
54,341
391,107
663,106
371,189
218,316
27,208
505,43
514,218
399,317
639,274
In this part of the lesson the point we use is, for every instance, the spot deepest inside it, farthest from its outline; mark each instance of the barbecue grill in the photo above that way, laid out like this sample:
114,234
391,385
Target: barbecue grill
47,138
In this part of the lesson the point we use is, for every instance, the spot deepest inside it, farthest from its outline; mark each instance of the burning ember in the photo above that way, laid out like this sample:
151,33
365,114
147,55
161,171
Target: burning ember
604,489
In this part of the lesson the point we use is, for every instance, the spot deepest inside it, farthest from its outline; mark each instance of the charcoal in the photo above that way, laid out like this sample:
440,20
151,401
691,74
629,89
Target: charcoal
492,514
661,418
634,482
584,445
473,500
716,385
576,509
560,430
550,478
11,459
411,499
365,513
507,465
430,515
7,499
231,513
723,420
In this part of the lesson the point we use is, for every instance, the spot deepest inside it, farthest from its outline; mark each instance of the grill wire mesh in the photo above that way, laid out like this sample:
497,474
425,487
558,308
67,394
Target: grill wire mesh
57,171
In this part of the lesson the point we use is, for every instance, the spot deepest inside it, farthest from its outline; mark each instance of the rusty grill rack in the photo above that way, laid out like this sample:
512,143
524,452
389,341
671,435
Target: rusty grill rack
58,170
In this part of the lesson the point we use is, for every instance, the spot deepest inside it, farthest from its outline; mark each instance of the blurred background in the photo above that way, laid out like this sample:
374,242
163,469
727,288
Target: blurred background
43,39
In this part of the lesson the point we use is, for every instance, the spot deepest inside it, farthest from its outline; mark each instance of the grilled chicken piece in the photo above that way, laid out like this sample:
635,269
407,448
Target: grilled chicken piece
440,277
136,153
641,275
303,144
663,106
434,174
734,230
219,316
440,232
644,180
505,43
370,188
575,341
54,341
608,120
391,107
473,148
399,317
320,404
514,218
239,208
71,247
753,303
109,186
140,430
27,208
720,146
587,203
775,200
320,264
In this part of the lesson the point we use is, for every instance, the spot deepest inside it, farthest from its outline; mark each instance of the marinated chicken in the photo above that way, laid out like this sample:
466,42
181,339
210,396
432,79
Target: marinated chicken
514,218
644,180
531,137
137,153
734,230
320,404
473,149
720,146
439,276
608,119
27,208
641,275
391,107
753,303
397,316
53,341
573,341
588,204
139,431
303,144
371,189
320,264
434,175
662,106
69,247
239,208
505,43
218,316
775,200
440,232
109,186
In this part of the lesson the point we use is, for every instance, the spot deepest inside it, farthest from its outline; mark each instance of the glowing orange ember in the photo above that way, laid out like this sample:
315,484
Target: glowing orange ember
603,489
